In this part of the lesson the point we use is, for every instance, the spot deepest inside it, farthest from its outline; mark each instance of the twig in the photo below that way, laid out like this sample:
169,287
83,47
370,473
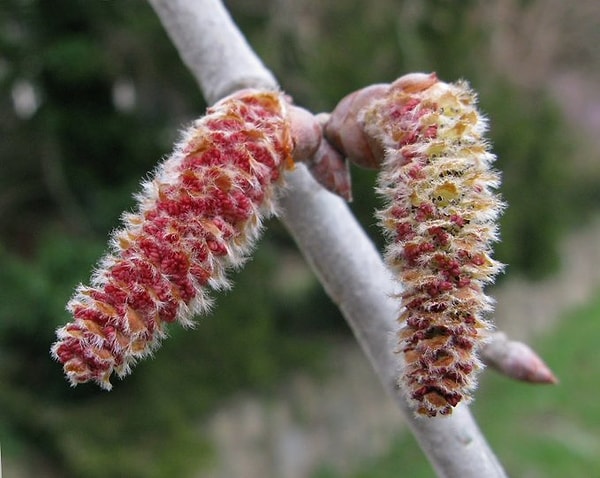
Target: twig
344,259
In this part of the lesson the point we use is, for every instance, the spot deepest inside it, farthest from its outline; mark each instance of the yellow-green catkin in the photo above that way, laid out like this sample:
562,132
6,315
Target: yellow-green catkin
439,218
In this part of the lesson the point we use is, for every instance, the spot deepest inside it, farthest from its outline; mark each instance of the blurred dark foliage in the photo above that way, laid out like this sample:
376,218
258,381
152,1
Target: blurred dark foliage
70,161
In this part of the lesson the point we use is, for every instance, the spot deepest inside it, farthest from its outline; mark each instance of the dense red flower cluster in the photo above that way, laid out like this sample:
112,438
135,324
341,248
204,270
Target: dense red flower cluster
197,216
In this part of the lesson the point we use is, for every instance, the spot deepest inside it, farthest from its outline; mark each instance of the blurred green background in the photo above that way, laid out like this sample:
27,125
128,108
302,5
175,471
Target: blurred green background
93,95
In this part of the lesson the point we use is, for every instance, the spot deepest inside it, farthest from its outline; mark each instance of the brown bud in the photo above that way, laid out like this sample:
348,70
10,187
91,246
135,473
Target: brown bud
345,131
516,360
331,170
306,133
415,82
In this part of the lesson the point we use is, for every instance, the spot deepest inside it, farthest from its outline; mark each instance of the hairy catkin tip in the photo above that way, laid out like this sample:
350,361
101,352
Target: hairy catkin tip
199,215
439,218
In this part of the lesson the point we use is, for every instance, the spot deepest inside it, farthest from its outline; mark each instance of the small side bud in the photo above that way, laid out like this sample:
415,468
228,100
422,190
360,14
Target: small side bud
331,170
516,360
345,128
324,162
306,133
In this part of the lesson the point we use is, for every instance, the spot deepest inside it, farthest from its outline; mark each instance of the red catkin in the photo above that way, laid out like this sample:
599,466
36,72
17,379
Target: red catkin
198,215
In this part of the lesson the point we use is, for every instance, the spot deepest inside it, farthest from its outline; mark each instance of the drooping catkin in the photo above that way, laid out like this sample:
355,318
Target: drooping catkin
439,217
198,215
427,139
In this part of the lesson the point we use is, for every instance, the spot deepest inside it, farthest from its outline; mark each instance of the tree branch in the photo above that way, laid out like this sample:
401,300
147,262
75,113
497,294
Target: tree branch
328,235
212,47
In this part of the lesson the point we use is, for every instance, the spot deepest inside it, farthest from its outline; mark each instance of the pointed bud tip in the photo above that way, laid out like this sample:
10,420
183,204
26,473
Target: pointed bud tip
518,361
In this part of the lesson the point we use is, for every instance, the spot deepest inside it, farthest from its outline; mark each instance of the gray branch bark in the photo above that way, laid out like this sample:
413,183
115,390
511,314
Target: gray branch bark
344,259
